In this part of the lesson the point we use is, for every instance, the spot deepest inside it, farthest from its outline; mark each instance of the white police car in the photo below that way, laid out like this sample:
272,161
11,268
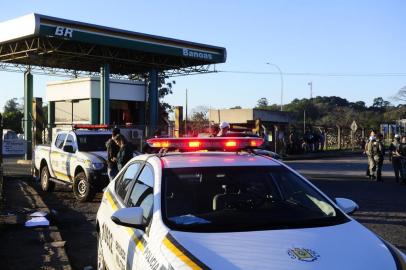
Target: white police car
228,210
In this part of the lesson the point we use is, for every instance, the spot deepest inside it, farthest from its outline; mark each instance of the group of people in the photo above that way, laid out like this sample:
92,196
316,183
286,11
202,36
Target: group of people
397,155
119,152
375,151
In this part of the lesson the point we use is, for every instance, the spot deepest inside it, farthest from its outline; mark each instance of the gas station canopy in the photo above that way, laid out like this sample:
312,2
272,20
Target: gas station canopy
49,42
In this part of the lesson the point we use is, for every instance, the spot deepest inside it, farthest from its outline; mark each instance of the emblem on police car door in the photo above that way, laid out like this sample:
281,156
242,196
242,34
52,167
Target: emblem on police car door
303,254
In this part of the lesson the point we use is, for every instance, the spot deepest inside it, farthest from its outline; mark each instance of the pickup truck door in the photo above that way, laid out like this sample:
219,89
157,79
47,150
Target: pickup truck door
67,157
56,156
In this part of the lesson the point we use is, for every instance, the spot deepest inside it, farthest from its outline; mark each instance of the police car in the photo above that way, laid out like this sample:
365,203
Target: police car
215,204
77,158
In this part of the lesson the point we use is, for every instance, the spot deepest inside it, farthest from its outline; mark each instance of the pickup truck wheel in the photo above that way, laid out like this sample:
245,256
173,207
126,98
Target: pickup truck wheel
82,189
46,185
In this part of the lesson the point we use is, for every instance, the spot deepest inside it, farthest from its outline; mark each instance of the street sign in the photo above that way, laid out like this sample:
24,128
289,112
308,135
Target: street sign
354,126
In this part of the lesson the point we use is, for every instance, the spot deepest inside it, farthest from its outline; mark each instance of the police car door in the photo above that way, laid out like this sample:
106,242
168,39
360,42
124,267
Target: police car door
138,247
56,156
112,235
67,155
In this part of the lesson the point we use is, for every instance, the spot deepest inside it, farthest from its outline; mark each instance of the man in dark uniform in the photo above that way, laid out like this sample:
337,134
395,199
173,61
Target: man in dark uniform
379,153
395,153
112,151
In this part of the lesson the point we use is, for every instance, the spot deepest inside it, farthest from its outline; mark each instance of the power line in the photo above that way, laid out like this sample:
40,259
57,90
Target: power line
338,74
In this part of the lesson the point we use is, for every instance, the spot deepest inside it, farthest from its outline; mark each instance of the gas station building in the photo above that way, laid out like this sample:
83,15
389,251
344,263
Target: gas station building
39,44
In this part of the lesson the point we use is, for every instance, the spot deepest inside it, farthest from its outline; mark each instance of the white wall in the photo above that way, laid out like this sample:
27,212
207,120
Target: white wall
90,88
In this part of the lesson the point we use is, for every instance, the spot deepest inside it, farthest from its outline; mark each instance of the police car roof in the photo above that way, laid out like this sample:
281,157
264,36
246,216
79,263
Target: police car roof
92,132
215,159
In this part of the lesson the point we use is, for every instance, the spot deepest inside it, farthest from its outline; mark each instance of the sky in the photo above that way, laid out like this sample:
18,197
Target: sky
361,41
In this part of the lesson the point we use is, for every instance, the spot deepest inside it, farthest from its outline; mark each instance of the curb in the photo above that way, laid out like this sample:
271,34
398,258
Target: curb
322,155
23,162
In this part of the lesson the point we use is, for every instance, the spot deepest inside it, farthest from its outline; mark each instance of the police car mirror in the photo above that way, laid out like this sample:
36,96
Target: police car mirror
129,217
347,205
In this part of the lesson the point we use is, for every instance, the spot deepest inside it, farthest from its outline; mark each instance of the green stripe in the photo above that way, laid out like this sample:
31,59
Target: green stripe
85,37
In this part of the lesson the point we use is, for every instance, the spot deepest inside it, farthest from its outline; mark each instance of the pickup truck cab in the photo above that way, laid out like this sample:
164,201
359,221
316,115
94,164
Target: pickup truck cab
76,158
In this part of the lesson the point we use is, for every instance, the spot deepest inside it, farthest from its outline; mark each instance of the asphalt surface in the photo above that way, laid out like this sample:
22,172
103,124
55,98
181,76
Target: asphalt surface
382,205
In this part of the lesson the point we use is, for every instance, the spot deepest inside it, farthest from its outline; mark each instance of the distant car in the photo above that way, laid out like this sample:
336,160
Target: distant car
215,209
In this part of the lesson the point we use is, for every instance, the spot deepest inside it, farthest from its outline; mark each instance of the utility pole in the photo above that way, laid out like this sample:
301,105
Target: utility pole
186,114
304,122
311,89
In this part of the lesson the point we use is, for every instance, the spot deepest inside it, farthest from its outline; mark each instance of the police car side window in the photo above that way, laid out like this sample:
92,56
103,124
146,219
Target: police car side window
123,183
142,193
70,141
59,140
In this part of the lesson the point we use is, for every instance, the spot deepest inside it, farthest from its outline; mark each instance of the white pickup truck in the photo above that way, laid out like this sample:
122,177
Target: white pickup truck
76,158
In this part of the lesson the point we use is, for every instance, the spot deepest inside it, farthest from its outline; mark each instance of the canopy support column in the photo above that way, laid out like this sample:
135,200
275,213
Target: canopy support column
153,101
51,119
105,94
28,96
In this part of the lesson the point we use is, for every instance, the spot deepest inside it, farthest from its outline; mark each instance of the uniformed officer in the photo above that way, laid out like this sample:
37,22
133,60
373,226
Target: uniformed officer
372,135
224,128
395,153
379,153
112,151
371,161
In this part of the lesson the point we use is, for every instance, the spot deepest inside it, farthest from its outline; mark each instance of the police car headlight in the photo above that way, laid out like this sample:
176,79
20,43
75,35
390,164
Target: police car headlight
97,166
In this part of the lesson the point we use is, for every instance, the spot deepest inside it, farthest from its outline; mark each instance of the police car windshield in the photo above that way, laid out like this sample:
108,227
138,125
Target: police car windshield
225,199
92,142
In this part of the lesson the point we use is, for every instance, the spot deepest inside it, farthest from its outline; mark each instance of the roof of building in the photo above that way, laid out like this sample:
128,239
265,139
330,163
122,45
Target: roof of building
49,42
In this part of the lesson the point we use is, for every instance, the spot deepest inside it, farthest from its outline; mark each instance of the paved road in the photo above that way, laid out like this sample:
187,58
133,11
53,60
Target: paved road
382,205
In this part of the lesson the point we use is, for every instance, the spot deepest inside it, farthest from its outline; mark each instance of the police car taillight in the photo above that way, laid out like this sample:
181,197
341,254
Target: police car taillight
219,143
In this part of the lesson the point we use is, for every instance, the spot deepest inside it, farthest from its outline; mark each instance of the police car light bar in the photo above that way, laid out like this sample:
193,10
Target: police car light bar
219,143
85,126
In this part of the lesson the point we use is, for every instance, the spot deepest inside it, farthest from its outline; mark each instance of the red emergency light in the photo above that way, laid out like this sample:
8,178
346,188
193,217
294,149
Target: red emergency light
85,126
216,143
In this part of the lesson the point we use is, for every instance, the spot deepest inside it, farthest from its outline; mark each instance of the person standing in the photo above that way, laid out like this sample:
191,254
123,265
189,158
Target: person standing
224,128
379,153
125,153
370,154
394,151
112,151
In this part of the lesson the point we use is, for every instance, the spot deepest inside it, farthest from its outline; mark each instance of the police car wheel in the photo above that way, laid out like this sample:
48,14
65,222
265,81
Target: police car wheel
100,259
46,185
82,189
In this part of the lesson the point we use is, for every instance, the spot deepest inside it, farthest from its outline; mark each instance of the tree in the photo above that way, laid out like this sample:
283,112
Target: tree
379,102
164,89
236,107
13,115
199,119
401,94
262,103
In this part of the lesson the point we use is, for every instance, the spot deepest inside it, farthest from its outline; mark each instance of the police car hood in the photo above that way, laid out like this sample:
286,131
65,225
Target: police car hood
99,156
345,246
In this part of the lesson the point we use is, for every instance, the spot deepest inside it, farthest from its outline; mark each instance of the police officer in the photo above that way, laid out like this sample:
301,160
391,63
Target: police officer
394,149
370,154
112,151
371,136
224,128
379,153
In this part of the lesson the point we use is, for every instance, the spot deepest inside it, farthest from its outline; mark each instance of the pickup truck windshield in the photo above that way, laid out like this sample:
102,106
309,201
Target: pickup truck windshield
92,143
223,199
